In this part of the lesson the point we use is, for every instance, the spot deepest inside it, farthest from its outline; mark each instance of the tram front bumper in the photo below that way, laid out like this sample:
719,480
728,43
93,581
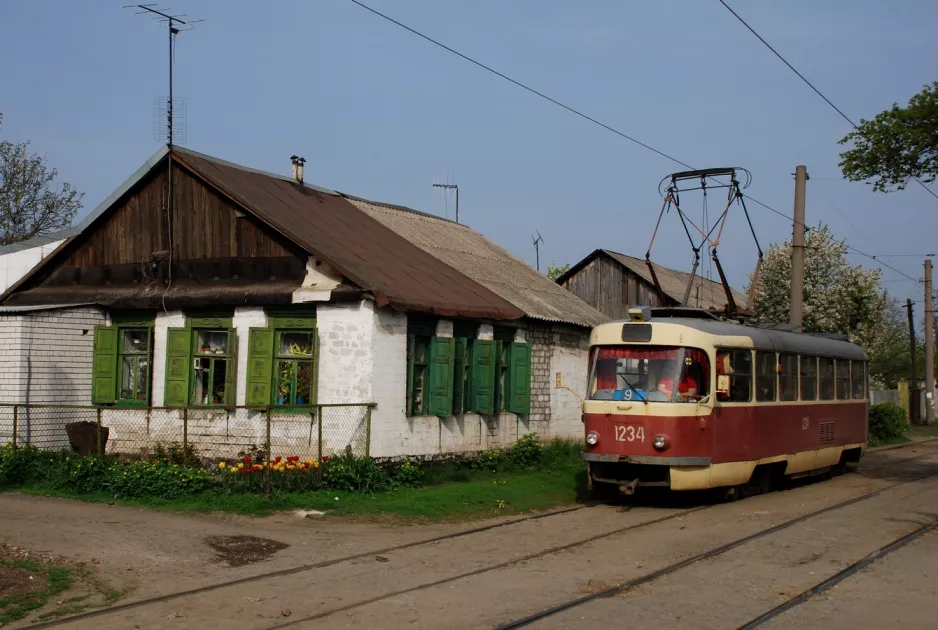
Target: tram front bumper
628,472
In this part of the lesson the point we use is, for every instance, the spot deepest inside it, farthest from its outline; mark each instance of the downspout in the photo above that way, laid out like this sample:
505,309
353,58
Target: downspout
29,371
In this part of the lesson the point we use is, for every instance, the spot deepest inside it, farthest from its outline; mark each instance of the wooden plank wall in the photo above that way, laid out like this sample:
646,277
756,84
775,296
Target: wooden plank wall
604,285
205,225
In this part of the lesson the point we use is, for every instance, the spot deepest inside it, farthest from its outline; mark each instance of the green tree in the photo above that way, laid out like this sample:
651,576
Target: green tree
554,272
838,298
897,145
31,203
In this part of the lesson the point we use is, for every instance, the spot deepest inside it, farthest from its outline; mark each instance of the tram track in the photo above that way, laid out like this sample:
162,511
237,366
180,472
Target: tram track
628,585
467,532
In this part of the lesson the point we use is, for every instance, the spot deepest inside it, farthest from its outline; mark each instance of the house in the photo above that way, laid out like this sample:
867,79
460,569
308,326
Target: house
611,282
247,295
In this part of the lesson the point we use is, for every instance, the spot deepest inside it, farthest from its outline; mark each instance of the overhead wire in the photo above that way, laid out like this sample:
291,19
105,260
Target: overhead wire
610,128
809,84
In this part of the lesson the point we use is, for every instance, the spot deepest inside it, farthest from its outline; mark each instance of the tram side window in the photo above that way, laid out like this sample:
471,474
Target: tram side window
826,373
734,375
858,380
788,377
843,380
766,376
808,378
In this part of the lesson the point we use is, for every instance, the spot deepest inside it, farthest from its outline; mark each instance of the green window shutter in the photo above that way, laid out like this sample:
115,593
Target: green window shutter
459,375
519,378
231,382
482,388
104,367
410,376
440,390
260,367
178,368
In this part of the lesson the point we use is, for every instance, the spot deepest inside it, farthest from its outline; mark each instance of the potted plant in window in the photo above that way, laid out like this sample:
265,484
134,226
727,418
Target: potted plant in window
283,383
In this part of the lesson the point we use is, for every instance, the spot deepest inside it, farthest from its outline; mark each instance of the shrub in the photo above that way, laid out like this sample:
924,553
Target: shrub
489,461
353,474
526,452
410,474
160,479
888,422
26,464
176,453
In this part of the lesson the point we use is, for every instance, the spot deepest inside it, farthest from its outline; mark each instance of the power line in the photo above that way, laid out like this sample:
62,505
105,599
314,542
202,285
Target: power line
808,83
595,121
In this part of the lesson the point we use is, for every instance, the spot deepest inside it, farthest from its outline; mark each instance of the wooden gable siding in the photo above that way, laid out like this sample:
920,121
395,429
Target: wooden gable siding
607,287
205,225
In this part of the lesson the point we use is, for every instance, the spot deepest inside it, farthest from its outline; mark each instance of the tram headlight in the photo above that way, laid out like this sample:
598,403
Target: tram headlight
660,442
592,438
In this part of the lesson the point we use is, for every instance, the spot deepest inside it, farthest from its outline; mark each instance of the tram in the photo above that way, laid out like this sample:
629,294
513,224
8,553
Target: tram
681,399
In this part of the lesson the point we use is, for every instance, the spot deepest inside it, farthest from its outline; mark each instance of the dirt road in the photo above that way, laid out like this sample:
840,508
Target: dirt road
506,573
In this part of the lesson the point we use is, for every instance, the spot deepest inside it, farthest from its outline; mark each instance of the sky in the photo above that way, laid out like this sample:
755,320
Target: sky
382,114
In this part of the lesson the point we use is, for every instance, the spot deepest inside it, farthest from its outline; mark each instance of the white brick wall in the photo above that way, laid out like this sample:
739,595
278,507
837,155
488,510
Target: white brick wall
570,357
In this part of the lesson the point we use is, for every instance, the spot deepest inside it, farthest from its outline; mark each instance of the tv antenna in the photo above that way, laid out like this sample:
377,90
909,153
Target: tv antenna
448,187
537,248
174,25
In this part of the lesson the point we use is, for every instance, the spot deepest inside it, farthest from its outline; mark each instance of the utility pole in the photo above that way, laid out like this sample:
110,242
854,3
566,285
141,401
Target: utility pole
451,187
797,251
914,404
929,348
537,249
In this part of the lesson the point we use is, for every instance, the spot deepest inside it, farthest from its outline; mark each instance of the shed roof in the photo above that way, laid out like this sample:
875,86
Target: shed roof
673,282
473,255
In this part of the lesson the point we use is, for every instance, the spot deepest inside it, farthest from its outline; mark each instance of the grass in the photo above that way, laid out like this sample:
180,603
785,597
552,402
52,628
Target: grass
16,607
450,492
919,430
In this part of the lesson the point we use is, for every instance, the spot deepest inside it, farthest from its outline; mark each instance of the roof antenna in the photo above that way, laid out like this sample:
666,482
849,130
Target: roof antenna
537,249
174,25
455,187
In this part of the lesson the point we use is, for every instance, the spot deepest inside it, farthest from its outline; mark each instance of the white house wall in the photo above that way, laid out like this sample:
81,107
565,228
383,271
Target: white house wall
15,265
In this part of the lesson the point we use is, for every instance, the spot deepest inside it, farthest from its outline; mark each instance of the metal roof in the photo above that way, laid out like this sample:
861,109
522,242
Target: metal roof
362,249
473,255
13,310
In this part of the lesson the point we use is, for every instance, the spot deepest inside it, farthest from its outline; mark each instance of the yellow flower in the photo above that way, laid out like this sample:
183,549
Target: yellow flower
240,464
222,465
234,471
310,461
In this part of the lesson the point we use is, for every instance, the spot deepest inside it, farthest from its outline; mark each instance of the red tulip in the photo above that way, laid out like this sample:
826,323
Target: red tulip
247,459
325,458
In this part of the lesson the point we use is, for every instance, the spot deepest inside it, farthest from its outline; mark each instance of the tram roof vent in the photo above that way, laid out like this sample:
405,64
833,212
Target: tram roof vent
686,312
639,314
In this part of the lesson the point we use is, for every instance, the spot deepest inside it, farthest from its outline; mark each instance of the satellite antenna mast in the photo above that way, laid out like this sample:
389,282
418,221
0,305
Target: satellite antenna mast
537,249
451,187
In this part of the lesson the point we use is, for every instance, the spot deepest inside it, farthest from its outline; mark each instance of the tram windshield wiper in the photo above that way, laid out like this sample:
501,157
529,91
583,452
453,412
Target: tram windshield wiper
643,397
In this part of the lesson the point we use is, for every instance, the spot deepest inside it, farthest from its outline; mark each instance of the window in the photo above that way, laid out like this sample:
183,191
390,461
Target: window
826,378
766,376
649,373
210,370
843,379
788,377
283,360
418,354
858,380
122,359
200,363
808,378
734,375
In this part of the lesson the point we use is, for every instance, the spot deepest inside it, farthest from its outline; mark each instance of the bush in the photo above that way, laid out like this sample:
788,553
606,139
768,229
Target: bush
489,461
410,474
129,480
888,422
176,453
353,474
526,452
22,465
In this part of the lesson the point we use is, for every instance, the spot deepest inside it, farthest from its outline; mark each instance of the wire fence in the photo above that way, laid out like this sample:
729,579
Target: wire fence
206,434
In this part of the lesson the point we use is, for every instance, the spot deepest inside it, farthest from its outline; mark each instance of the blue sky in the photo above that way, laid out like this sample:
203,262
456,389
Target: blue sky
379,113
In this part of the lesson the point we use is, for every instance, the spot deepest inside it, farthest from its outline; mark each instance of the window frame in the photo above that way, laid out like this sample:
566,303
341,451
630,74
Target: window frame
821,379
733,376
863,380
295,359
121,355
769,361
213,357
802,361
839,380
782,376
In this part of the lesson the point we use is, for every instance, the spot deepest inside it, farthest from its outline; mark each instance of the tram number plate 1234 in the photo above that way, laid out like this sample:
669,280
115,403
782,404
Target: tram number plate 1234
630,433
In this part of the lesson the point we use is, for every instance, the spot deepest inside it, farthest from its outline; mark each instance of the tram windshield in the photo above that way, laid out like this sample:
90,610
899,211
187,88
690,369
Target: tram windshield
648,373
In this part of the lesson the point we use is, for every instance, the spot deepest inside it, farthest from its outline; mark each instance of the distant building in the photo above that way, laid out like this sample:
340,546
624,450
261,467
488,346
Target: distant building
258,290
611,282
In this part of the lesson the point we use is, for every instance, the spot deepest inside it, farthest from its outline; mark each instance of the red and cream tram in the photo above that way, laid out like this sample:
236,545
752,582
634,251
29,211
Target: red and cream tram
680,399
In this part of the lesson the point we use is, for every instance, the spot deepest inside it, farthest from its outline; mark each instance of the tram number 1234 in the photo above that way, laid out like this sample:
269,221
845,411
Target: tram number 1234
629,433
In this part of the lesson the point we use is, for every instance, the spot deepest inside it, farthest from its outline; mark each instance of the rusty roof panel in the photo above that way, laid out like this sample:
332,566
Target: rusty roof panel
361,248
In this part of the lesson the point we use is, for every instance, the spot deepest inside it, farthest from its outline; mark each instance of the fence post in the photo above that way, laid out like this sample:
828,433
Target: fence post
368,431
185,436
99,446
16,413
319,436
267,457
